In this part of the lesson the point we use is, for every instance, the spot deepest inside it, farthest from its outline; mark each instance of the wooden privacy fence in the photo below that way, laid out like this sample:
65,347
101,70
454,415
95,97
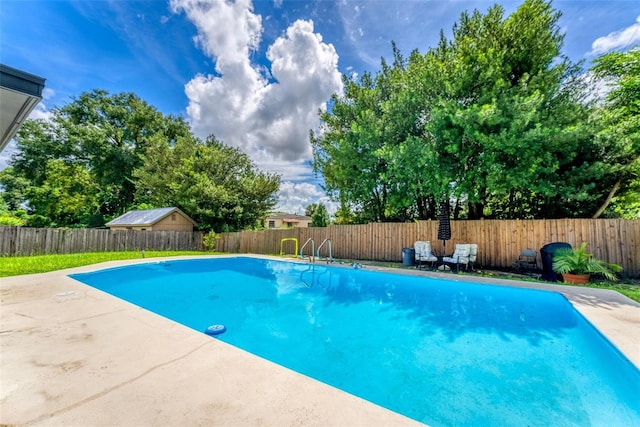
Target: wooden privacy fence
499,241
31,241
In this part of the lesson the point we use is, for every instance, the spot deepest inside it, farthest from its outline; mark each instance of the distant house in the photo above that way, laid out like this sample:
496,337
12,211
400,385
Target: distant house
287,221
161,219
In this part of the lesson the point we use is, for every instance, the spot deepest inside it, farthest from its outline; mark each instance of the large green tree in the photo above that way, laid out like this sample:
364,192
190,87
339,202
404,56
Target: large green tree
217,185
493,119
360,149
347,152
99,140
67,196
510,125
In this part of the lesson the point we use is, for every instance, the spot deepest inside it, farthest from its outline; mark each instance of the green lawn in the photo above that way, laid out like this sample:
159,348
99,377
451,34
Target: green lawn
15,266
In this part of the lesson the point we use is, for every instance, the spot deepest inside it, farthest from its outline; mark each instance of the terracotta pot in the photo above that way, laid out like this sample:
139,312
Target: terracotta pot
575,279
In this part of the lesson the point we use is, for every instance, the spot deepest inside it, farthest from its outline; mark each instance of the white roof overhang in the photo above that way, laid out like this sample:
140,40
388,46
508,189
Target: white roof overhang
20,92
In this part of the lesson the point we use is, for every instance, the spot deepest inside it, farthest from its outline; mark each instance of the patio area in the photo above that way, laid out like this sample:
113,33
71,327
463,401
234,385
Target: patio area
73,355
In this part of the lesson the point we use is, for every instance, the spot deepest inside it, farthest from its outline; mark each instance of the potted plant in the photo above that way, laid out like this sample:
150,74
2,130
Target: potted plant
576,265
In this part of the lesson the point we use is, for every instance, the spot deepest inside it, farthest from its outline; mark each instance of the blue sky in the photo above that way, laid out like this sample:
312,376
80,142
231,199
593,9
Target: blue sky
252,73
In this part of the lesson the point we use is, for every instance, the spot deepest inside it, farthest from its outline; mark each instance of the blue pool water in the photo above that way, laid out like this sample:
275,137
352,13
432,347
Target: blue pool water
445,353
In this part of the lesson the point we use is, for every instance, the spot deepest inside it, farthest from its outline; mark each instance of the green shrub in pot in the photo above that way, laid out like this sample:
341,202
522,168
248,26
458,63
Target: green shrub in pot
578,261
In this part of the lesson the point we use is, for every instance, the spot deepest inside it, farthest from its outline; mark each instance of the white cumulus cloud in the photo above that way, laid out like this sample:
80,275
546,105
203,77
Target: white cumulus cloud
41,112
617,39
295,197
266,114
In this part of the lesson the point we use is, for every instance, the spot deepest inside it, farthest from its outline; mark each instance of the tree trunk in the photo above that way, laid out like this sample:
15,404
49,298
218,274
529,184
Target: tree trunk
421,204
476,210
612,193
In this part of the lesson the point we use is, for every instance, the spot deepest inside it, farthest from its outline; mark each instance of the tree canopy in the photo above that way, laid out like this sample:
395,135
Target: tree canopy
618,122
320,216
495,120
102,155
217,185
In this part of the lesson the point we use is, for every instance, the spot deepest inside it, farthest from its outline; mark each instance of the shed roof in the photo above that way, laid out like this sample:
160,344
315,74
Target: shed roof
145,217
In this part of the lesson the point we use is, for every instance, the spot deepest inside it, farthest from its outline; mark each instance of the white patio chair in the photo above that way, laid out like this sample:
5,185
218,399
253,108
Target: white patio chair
424,254
464,254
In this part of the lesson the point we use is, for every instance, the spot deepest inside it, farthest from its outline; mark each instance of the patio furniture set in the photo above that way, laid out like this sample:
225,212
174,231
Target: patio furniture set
465,255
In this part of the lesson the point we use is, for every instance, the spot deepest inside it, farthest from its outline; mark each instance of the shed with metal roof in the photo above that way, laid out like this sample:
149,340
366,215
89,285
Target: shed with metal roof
161,219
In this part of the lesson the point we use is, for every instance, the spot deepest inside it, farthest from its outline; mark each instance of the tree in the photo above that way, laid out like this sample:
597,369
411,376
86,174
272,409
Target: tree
352,149
344,214
13,189
511,127
98,134
217,185
9,218
346,153
310,209
493,119
12,193
320,217
67,196
618,121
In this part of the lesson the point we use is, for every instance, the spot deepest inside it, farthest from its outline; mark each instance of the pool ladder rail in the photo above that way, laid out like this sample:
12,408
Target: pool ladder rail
315,277
330,257
313,249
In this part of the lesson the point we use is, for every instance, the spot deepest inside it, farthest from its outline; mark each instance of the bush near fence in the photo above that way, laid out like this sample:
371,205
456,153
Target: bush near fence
499,241
16,241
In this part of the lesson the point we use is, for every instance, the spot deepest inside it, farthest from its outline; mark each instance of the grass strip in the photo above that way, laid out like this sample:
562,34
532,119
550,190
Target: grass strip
15,266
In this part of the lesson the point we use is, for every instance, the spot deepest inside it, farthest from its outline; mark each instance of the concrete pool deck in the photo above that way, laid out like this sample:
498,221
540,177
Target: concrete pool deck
73,355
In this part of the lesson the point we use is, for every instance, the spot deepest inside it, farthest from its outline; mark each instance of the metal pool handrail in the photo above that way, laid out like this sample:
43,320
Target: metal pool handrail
330,257
313,249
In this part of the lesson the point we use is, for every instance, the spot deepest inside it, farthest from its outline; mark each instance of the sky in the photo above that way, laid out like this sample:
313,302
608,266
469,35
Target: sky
253,73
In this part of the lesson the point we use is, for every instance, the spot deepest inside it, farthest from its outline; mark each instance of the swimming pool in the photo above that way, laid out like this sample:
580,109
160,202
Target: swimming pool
441,352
